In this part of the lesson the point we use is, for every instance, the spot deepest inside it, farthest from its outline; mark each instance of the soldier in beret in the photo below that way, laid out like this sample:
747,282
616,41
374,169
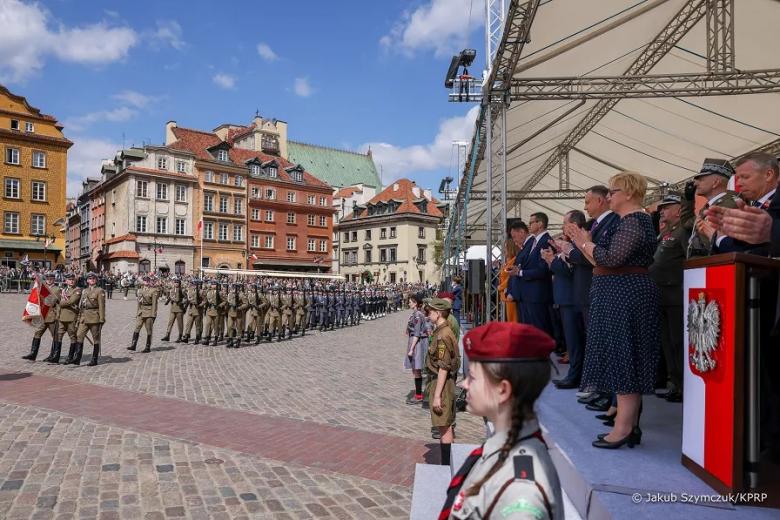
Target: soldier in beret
92,316
512,474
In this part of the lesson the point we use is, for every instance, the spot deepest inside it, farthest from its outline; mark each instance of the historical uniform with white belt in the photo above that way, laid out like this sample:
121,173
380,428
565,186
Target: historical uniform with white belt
49,322
70,296
92,316
195,304
177,299
147,313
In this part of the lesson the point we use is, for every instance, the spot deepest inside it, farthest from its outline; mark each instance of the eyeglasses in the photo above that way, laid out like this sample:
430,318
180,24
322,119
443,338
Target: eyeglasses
614,190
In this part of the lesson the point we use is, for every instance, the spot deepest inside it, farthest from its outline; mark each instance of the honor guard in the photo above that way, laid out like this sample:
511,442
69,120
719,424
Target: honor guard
69,315
339,321
212,304
146,314
320,304
330,309
252,302
243,309
222,318
195,304
512,474
262,312
92,316
178,302
274,317
299,302
287,313
49,322
232,314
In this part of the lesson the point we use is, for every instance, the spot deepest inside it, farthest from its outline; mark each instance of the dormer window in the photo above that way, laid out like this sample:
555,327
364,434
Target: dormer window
162,163
273,172
254,170
295,173
222,155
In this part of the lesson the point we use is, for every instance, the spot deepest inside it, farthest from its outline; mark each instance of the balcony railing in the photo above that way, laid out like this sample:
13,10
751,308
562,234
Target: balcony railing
270,146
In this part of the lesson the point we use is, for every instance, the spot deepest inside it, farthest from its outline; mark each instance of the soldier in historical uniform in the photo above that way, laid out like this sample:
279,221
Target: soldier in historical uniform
212,302
273,317
232,314
177,299
68,317
299,303
262,311
252,301
222,318
195,304
146,314
287,313
667,272
49,322
511,475
92,316
712,184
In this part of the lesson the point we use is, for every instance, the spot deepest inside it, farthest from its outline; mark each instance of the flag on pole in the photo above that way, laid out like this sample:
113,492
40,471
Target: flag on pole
37,307
254,256
200,227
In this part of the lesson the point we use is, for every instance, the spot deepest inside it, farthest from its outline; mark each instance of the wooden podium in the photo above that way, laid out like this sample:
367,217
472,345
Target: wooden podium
721,396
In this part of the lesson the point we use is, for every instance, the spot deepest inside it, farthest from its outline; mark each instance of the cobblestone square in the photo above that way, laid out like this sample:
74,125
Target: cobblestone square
313,427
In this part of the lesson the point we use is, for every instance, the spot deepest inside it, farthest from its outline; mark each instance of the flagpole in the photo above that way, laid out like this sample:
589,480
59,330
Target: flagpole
200,230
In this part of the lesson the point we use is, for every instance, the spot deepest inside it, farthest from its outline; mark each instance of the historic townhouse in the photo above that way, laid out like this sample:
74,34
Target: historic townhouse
33,172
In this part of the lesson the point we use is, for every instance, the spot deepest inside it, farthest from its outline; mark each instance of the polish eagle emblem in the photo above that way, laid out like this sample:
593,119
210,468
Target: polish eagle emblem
703,333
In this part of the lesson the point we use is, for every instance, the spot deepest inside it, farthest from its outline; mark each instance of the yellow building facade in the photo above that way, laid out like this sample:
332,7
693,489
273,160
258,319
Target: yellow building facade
33,172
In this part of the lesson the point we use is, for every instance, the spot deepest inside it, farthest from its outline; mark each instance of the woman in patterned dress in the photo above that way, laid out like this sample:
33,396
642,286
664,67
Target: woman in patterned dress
416,346
623,340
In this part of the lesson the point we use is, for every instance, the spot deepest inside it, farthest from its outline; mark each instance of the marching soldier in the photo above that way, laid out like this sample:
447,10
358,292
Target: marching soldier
321,303
213,303
49,322
330,309
195,304
299,301
262,312
287,313
340,309
178,301
711,183
274,317
243,309
232,312
222,318
147,312
68,317
252,302
92,316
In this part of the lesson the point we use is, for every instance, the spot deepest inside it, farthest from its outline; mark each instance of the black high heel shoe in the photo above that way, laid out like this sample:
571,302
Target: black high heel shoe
637,433
606,417
632,439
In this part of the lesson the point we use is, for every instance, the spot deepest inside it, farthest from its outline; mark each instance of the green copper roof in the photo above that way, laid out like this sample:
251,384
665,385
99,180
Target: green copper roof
336,167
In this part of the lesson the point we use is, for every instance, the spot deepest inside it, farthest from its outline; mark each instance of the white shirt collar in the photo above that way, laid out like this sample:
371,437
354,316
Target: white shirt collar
766,197
603,216
497,440
530,237
716,198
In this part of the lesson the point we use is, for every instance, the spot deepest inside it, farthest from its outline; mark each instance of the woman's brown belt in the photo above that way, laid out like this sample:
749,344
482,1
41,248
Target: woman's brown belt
604,271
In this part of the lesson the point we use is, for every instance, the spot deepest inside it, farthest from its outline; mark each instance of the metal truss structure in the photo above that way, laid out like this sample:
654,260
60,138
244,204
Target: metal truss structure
500,88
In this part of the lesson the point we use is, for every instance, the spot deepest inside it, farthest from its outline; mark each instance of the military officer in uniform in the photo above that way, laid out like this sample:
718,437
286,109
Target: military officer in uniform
252,302
299,301
711,183
195,304
243,309
68,318
212,303
49,322
287,313
273,317
232,312
92,316
512,475
320,303
339,318
222,318
178,302
262,312
147,312
667,272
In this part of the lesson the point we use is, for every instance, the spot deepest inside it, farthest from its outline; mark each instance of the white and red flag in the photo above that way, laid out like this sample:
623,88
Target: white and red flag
37,307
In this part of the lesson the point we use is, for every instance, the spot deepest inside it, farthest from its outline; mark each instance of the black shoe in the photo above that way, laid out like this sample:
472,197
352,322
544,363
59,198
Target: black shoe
76,359
54,358
229,343
600,405
237,343
36,343
632,439
435,433
134,341
674,397
166,338
95,355
71,352
636,433
595,396
609,422
563,384
257,340
179,340
605,417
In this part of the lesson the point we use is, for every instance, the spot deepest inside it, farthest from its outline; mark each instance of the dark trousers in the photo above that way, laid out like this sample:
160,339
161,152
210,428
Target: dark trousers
538,315
672,343
574,332
519,313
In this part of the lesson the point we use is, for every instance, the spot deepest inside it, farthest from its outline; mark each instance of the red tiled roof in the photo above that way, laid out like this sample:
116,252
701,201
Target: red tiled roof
199,142
163,172
122,254
347,192
406,196
129,237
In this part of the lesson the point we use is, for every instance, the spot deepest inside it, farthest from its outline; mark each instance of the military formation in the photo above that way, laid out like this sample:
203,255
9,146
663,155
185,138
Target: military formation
209,312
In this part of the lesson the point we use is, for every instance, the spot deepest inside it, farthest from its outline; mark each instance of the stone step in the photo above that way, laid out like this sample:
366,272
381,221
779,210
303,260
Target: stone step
429,491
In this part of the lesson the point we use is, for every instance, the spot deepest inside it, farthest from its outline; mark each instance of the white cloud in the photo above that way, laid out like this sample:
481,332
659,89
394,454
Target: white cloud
85,159
27,38
401,161
169,33
225,81
116,115
302,87
133,98
440,25
265,52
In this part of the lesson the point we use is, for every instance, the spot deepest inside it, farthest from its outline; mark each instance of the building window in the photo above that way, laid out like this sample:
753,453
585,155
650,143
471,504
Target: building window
223,204
181,193
208,230
346,236
144,266
238,181
368,234
162,163
273,172
392,277
368,256
12,155
11,188
291,218
421,232
39,159
29,127
255,214
11,222
323,201
310,220
383,255
323,220
162,225
269,215
323,246
270,194
225,178
311,245
254,170
162,191
140,223
15,124
311,199
393,257
382,234
180,268
255,193
392,232
238,206
354,236
268,242
209,177
291,243
238,232
420,255
290,196
223,231
346,257
205,261
222,155
208,202
180,229
38,191
181,166
255,241
38,224
141,189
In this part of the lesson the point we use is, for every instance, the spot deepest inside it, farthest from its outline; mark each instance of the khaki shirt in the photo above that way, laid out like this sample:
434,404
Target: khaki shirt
177,298
212,301
69,304
233,301
195,300
522,498
93,306
147,302
53,301
443,351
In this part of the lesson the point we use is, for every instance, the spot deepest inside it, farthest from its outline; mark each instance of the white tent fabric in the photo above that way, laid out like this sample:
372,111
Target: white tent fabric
664,138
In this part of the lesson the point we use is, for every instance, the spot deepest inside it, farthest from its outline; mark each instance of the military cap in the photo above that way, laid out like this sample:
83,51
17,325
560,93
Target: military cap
503,341
716,167
438,304
70,276
214,282
92,275
197,282
670,198
49,274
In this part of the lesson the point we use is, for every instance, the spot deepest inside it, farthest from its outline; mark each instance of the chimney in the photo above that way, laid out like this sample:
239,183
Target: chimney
169,137
281,127
416,191
395,186
427,194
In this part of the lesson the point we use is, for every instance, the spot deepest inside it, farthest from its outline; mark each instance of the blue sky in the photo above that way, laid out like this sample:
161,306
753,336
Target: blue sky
347,74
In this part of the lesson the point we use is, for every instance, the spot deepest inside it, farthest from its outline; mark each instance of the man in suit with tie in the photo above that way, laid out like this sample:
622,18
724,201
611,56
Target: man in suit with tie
711,183
520,236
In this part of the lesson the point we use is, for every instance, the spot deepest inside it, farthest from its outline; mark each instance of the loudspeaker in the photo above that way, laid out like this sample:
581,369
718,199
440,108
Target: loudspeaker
476,277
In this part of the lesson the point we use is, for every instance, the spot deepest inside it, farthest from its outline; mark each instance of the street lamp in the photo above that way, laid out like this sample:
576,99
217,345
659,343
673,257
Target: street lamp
154,244
46,238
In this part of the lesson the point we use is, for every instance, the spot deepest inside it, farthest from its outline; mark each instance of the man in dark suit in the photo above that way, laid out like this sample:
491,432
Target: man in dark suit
520,236
535,277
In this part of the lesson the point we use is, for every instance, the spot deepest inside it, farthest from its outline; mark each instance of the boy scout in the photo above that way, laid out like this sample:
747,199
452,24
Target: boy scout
92,316
442,364
146,314
195,303
178,301
68,318
49,322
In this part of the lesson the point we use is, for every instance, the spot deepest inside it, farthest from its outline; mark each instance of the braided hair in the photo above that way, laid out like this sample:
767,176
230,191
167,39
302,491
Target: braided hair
527,380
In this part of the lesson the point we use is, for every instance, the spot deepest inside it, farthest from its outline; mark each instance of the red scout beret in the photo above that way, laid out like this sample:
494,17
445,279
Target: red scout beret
445,294
501,341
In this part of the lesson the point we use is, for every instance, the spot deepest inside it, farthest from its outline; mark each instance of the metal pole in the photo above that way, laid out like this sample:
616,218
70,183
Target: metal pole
489,215
501,253
753,370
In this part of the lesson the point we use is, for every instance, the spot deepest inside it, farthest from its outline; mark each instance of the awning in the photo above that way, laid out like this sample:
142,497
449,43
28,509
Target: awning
26,245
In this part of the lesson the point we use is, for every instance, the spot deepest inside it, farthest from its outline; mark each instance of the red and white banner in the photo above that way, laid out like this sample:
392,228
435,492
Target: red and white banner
36,308
709,400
